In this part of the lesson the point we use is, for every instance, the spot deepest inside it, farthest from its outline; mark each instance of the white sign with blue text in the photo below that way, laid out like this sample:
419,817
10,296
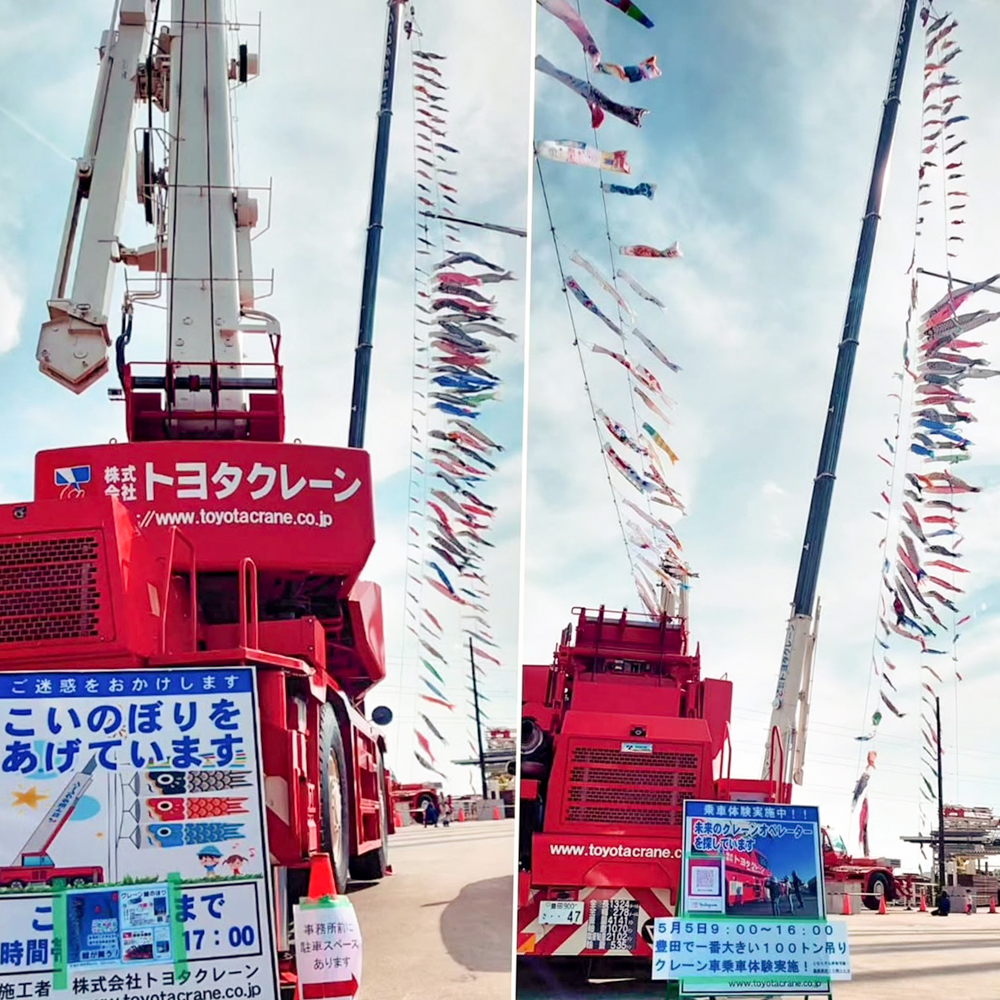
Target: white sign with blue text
132,853
730,956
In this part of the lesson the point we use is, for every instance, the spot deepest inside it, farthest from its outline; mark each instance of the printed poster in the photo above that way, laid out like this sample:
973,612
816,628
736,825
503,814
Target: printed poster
750,860
132,854
327,948
729,956
752,917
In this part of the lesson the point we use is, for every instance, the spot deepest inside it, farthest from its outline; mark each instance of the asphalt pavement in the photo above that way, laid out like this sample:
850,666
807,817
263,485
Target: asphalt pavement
440,927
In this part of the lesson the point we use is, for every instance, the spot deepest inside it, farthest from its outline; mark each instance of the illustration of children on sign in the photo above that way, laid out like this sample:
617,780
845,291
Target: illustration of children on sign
210,858
236,863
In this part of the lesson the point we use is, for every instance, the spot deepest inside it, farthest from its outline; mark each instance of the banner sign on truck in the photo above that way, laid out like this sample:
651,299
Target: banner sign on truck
133,861
320,494
752,915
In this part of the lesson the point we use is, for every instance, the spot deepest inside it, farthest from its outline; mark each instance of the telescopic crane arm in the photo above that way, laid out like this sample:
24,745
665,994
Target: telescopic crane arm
201,247
73,346
60,811
790,709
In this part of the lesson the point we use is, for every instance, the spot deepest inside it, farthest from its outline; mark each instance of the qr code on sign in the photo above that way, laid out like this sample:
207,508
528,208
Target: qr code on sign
704,881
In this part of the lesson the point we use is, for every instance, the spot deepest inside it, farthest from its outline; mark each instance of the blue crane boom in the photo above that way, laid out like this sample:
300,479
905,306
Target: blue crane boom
373,245
790,714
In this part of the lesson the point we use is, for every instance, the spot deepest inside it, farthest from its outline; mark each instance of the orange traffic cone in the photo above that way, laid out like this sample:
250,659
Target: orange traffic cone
881,905
923,903
847,904
321,882
993,905
496,812
461,815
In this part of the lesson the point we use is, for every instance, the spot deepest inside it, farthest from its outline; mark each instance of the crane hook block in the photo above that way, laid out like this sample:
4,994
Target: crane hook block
72,351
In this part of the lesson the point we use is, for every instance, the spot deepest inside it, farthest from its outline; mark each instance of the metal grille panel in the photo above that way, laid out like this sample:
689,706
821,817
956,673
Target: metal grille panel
661,759
49,590
635,796
606,776
608,786
626,816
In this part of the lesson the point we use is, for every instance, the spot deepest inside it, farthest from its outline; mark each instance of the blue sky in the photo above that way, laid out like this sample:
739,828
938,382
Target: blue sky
760,137
308,123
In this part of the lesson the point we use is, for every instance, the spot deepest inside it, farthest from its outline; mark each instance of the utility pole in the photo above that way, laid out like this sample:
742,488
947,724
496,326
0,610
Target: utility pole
940,777
479,728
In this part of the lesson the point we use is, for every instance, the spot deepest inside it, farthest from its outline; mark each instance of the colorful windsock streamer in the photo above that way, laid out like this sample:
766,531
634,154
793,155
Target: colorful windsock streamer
459,335
639,458
920,615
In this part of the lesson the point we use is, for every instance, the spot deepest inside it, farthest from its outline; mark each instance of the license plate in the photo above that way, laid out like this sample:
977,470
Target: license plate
560,911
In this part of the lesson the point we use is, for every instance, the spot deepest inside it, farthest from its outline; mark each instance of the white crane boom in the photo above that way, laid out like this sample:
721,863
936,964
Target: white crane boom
202,225
60,811
73,345
790,709
203,308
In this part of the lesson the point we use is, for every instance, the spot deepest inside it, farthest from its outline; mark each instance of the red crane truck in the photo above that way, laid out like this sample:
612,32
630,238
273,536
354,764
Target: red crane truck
205,539
616,734
621,728
876,875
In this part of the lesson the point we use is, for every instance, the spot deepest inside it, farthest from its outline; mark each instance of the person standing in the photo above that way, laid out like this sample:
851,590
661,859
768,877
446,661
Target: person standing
797,889
431,814
772,893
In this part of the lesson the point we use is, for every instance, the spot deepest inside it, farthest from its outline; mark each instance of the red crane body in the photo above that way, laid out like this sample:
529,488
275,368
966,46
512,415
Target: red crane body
204,539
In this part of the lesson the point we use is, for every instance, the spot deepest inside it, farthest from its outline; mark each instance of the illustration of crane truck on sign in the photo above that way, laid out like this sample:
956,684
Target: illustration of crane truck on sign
33,866
205,539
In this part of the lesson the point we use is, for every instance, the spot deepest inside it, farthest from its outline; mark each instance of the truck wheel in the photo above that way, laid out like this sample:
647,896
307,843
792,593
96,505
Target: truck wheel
372,866
335,814
17,884
878,886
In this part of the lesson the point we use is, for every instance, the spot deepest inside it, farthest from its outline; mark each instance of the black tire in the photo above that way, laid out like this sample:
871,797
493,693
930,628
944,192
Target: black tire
16,884
372,866
334,808
878,886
